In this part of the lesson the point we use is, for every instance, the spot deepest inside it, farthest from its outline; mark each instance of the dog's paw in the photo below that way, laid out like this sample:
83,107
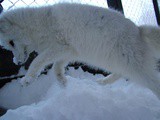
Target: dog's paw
26,81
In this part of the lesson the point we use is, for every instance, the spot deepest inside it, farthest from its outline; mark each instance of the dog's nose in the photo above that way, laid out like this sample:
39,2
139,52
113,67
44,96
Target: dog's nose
19,63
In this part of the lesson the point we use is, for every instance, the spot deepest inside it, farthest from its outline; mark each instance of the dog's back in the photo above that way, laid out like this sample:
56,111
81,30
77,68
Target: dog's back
107,39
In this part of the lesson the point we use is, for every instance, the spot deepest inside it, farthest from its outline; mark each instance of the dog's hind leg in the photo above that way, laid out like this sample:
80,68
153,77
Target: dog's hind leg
59,70
63,55
109,79
146,76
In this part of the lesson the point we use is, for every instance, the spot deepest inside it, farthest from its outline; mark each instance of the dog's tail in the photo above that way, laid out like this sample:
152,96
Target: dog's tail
151,35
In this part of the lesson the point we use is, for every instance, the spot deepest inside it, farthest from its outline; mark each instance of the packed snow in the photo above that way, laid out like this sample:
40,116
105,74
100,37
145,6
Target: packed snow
81,99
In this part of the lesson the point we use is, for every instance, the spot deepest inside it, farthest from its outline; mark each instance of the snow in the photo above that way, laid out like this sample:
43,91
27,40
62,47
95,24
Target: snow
81,99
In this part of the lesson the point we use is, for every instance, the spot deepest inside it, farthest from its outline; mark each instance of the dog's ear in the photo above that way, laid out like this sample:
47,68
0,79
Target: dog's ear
5,24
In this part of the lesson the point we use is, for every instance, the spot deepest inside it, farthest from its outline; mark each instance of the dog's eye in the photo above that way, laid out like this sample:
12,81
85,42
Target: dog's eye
11,43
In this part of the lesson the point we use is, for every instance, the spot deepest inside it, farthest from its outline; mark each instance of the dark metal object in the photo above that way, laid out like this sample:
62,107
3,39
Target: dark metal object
1,1
115,4
1,7
157,10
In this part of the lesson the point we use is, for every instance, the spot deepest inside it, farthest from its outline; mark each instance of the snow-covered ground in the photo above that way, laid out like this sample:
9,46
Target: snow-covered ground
82,99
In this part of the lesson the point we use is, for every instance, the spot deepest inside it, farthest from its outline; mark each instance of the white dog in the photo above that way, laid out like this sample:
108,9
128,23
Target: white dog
72,32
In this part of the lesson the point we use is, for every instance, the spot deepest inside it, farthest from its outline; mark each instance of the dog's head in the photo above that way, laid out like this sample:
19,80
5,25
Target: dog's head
12,38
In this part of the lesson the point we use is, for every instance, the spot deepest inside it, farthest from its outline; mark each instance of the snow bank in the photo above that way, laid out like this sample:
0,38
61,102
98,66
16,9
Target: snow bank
82,99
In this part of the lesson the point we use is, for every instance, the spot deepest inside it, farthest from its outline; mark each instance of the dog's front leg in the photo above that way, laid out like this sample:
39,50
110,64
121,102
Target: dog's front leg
60,55
36,67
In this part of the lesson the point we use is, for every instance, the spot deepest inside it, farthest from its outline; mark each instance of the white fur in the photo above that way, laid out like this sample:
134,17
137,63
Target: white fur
72,32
